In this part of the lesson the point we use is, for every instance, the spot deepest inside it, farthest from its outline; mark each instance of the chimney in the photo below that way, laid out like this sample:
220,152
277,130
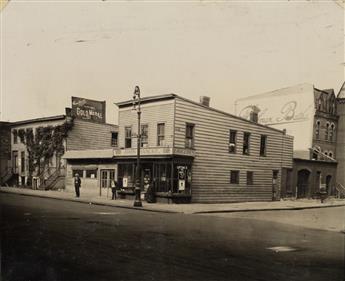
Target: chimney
204,100
254,114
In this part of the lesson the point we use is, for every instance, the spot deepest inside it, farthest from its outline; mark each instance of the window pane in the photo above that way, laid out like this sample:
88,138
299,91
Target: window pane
128,137
189,142
263,145
250,178
232,141
114,139
91,174
234,177
246,137
144,135
160,134
79,172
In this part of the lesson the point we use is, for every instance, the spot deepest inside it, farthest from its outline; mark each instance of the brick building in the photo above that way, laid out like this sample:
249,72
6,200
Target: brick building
310,115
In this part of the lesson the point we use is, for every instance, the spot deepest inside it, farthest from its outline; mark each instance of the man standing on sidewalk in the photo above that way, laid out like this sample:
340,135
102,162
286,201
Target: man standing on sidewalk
77,184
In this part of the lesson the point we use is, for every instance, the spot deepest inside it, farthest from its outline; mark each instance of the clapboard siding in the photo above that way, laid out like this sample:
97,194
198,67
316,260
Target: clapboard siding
88,135
213,163
160,112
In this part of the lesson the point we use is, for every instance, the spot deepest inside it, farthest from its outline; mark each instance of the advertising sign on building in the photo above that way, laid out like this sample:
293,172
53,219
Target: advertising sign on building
290,108
89,110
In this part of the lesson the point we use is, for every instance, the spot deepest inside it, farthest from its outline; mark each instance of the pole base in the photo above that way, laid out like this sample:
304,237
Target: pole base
137,204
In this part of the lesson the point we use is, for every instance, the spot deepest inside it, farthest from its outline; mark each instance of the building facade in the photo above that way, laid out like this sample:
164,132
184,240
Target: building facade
311,116
35,157
5,152
89,153
192,152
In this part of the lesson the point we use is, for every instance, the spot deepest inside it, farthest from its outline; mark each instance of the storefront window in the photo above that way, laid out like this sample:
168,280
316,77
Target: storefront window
91,174
79,172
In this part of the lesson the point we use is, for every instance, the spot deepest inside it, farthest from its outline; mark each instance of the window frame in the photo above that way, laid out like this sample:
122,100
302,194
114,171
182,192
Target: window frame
317,129
237,177
234,144
264,152
189,139
114,141
15,136
160,137
251,182
247,145
142,140
128,138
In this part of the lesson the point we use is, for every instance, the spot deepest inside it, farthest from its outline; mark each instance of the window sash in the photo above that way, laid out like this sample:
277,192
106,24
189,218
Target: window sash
263,145
232,141
160,133
250,178
246,139
234,177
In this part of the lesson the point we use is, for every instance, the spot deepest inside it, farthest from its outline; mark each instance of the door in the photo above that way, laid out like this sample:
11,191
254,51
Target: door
107,176
328,184
275,193
302,183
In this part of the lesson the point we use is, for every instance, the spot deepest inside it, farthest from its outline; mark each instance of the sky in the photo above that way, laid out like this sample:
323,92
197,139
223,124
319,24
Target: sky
52,50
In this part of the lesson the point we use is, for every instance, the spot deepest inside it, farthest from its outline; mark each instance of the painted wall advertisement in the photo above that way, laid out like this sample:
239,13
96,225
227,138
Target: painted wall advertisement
290,108
89,110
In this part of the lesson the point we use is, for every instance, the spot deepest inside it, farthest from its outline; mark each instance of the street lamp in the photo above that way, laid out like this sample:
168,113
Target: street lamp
136,106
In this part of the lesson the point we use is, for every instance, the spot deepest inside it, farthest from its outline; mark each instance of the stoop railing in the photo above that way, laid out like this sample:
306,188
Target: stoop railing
340,190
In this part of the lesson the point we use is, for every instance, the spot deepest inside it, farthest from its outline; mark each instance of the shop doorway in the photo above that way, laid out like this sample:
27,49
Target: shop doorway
107,176
275,191
302,183
328,183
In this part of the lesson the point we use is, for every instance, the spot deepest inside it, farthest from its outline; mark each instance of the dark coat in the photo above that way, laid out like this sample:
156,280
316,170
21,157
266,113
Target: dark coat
77,182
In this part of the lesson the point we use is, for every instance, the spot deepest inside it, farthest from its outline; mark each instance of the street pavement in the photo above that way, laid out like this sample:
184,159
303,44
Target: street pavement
46,239
331,219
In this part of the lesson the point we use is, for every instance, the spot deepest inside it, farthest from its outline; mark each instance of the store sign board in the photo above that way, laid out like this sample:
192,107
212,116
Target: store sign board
89,110
154,151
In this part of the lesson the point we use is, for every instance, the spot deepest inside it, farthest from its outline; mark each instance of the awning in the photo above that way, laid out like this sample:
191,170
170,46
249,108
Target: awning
89,154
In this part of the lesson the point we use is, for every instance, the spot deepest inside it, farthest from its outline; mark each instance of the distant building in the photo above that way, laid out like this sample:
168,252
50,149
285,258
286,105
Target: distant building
89,153
341,139
310,115
5,152
47,152
27,140
193,152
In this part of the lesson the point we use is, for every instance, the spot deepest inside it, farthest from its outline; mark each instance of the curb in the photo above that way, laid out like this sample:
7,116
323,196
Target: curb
82,201
266,210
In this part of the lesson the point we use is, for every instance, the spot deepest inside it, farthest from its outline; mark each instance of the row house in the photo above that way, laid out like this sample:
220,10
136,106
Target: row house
193,152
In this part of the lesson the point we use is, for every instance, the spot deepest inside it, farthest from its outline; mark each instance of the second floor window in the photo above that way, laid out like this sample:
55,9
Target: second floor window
144,135
263,144
128,137
189,136
114,139
15,136
246,138
317,130
327,131
160,134
232,141
331,132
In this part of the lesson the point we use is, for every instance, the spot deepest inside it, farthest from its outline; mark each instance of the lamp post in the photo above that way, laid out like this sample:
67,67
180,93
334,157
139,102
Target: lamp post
136,106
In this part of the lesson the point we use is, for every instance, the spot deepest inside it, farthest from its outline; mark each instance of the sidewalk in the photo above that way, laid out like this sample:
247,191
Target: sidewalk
194,208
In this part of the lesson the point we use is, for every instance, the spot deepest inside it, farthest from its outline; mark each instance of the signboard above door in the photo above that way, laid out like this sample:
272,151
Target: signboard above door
88,110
